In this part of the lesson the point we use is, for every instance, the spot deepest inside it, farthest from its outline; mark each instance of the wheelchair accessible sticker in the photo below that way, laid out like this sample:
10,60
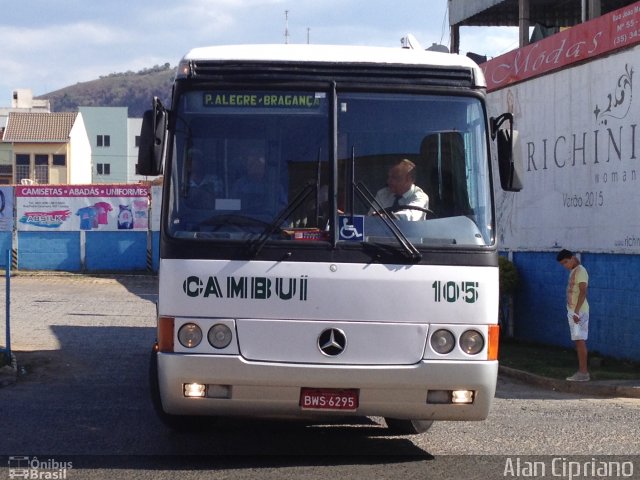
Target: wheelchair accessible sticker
351,228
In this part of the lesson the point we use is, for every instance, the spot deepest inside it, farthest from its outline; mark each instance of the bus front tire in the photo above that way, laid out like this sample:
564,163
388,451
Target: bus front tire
407,427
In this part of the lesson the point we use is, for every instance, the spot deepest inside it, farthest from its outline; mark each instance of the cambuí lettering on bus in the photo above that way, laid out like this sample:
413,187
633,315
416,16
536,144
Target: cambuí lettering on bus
253,288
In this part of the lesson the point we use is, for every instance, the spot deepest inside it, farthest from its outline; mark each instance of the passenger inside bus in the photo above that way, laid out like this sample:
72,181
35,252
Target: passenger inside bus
204,187
258,195
401,191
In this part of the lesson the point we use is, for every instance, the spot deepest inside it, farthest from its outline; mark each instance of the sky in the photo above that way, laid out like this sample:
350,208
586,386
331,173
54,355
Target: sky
51,44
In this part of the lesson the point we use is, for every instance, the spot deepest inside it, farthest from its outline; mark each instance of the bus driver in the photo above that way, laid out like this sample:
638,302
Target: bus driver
401,190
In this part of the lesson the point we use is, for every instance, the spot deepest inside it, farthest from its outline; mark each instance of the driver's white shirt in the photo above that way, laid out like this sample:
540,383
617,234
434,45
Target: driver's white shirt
415,196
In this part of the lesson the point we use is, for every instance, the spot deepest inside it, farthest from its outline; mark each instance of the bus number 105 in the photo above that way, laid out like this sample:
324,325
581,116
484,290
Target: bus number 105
453,291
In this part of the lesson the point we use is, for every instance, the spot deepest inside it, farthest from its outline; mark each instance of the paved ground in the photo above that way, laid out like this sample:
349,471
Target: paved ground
53,312
50,314
83,344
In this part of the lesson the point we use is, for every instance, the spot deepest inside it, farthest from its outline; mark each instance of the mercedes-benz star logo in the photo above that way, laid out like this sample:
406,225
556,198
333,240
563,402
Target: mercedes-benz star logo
332,342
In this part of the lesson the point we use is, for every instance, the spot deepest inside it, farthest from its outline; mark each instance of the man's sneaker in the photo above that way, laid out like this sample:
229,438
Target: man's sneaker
579,377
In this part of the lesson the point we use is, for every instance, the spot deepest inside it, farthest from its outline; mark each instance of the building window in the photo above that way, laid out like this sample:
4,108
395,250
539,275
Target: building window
104,169
103,140
42,169
59,160
6,174
137,141
23,164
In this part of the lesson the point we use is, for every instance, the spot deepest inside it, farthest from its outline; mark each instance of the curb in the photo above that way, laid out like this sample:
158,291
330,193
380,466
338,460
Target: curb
9,373
599,388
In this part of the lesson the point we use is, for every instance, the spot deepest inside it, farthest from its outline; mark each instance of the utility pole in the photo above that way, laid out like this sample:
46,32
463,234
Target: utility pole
286,26
308,31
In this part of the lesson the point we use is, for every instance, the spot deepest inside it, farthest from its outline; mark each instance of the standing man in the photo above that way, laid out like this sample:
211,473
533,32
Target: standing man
401,190
577,310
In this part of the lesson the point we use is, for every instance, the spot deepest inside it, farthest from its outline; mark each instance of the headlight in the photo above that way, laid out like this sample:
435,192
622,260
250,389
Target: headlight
219,335
442,341
471,342
189,335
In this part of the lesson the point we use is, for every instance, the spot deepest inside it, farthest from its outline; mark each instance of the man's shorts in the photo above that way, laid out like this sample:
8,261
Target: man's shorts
580,330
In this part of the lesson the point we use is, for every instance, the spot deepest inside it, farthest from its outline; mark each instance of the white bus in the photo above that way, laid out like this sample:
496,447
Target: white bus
288,286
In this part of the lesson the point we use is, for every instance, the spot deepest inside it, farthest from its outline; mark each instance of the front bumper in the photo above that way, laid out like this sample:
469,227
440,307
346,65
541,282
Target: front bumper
265,389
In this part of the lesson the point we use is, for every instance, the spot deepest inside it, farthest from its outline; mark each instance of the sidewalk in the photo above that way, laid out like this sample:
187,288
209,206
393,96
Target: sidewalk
598,388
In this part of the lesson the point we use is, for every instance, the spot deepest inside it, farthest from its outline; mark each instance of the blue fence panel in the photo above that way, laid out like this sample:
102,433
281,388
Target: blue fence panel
614,299
614,302
124,251
540,311
49,251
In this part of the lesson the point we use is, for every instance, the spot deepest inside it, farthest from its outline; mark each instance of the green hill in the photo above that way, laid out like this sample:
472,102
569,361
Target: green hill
130,89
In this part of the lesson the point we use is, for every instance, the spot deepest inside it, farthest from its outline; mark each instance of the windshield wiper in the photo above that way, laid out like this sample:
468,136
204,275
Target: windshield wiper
408,247
284,214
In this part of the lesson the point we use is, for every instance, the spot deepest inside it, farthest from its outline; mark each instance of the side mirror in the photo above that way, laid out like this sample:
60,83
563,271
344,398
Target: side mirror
153,135
509,164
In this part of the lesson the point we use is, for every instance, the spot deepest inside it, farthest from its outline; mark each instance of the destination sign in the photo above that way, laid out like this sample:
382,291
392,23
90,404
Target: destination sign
262,100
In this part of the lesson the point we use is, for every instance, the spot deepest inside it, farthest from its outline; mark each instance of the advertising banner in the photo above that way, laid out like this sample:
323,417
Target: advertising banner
613,31
579,142
82,207
6,209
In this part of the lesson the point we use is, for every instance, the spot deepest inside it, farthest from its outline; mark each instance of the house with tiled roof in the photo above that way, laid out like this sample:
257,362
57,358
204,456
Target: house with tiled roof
21,101
48,148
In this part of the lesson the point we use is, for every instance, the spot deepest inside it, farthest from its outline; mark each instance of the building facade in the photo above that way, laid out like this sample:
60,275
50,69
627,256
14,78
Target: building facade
93,145
133,146
107,131
21,101
571,96
46,148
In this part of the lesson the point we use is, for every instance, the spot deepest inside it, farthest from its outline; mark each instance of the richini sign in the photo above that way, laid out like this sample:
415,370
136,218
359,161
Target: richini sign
579,144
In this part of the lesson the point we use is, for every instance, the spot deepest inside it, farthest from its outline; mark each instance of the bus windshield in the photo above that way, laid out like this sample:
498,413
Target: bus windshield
252,164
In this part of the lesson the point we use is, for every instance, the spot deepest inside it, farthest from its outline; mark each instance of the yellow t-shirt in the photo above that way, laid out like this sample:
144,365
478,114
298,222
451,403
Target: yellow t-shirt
577,276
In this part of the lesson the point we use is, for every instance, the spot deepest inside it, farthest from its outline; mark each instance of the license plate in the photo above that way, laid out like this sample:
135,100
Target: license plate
329,399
